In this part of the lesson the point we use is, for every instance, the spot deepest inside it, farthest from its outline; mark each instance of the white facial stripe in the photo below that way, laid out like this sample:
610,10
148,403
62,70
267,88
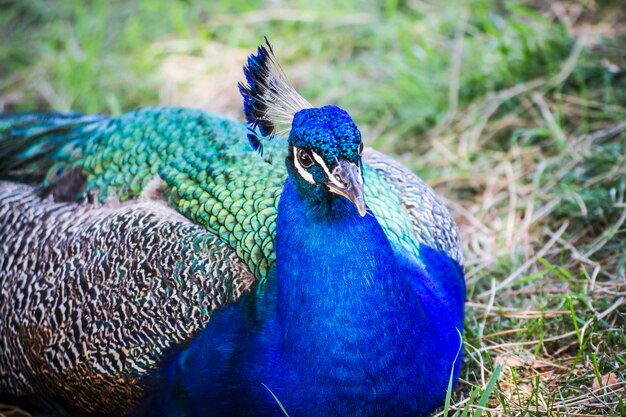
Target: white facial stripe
330,176
359,177
303,172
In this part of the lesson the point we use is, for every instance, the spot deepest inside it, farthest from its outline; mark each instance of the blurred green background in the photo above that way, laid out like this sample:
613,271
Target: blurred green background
514,111
410,63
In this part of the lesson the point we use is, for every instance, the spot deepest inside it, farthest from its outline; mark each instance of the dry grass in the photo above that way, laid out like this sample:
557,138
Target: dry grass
547,302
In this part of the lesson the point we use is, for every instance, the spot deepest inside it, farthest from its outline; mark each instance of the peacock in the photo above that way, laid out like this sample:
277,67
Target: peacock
166,262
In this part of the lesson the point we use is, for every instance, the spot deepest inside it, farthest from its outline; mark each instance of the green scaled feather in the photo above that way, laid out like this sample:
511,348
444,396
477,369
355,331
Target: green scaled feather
30,142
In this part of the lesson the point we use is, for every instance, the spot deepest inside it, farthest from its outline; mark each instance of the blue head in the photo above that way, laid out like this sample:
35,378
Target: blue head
324,159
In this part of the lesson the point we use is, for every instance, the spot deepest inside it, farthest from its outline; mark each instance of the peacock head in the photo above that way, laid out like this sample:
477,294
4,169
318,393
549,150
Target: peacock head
324,157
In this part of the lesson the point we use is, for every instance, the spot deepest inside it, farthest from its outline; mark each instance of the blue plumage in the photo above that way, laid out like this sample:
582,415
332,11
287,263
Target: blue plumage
326,130
254,141
257,72
253,107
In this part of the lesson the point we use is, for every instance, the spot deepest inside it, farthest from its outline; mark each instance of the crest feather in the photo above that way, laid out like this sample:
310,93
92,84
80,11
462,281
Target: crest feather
268,98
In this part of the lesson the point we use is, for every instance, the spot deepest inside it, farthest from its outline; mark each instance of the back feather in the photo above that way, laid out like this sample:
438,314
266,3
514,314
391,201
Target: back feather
30,143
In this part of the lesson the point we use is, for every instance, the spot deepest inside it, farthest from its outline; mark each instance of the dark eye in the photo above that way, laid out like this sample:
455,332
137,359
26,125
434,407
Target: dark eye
360,146
304,158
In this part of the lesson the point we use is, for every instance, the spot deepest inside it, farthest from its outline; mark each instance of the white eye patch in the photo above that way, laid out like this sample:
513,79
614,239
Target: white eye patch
303,172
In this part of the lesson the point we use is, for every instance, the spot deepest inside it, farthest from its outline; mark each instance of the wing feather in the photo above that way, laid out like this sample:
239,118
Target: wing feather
92,294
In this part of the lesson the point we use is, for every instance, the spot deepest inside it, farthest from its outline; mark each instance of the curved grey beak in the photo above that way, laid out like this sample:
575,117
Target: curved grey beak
346,180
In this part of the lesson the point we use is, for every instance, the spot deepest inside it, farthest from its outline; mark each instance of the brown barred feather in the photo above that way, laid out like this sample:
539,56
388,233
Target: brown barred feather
92,294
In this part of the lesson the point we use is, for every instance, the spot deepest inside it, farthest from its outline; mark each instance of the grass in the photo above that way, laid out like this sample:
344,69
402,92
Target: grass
515,112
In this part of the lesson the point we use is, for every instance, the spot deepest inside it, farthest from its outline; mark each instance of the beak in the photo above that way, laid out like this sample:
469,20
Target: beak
346,181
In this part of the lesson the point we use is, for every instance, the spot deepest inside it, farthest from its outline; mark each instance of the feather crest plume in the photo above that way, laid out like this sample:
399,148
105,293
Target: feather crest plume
269,100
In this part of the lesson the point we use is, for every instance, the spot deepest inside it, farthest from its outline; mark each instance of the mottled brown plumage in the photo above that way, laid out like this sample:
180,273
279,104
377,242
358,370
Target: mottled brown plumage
92,294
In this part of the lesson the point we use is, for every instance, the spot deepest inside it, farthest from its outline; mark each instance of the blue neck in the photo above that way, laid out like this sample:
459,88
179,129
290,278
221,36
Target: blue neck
348,314
331,264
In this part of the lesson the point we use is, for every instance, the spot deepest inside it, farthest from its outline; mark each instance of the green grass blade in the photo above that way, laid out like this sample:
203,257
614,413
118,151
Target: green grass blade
276,399
470,402
487,392
446,408
596,369
573,312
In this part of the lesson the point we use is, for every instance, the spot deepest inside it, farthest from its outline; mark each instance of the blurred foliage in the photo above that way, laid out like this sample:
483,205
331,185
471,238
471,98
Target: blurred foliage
394,60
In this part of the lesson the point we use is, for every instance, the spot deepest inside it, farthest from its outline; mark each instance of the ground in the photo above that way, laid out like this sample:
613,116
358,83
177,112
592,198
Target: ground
515,112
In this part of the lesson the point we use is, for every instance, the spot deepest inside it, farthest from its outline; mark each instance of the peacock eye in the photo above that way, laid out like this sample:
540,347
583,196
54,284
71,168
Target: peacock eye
360,147
304,158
